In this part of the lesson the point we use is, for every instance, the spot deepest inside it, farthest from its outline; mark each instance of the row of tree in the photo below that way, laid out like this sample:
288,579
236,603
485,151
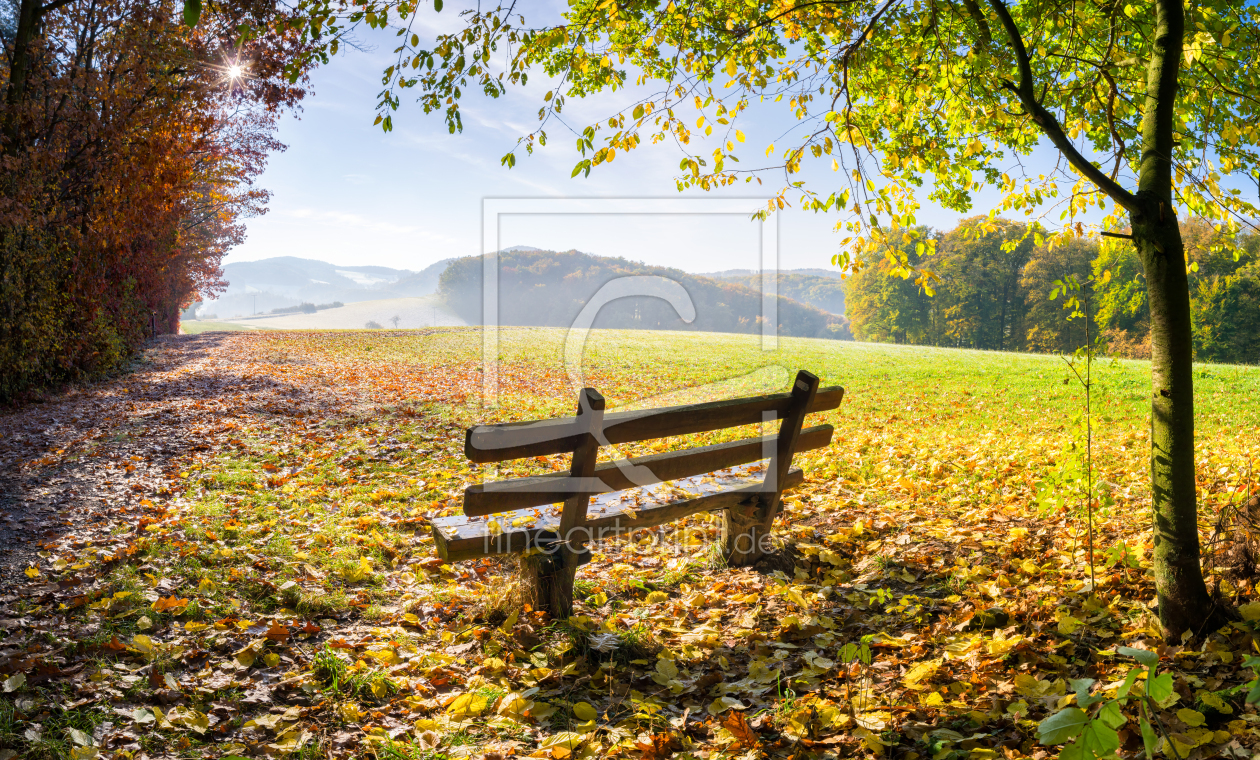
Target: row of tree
128,147
997,290
552,288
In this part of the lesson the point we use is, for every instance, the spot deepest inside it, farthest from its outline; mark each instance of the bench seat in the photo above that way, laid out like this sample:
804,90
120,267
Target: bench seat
460,538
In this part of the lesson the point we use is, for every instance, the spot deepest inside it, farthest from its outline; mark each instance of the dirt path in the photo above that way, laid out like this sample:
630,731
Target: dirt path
91,459
89,478
63,461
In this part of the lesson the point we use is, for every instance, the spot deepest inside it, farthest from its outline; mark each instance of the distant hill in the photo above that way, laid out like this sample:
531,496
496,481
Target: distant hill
284,281
820,288
422,283
826,293
292,275
287,281
550,288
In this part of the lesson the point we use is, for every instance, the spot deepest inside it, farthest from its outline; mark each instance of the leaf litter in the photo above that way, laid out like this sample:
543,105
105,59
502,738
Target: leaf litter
226,553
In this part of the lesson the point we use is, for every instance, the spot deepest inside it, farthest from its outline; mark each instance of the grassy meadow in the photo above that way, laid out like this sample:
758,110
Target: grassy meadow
291,550
982,413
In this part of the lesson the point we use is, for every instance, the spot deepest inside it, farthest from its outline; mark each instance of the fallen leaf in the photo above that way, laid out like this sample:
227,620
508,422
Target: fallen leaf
737,724
659,746
170,603
467,705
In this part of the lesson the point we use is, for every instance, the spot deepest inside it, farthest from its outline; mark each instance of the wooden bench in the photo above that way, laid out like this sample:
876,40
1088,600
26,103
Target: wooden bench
745,479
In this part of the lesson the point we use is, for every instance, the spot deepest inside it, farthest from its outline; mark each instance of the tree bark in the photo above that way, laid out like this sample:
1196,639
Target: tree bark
1184,603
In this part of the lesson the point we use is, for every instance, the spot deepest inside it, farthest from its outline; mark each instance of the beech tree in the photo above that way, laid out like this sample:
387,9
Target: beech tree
1149,106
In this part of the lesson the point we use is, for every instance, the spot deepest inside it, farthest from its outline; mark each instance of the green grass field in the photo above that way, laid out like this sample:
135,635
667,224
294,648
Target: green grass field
924,404
881,379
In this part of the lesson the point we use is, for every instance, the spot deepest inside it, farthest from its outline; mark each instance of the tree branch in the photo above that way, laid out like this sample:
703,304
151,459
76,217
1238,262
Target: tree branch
771,18
870,26
1224,87
1111,124
1049,124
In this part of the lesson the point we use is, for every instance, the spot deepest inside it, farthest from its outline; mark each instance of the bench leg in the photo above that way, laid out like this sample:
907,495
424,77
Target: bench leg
547,582
744,532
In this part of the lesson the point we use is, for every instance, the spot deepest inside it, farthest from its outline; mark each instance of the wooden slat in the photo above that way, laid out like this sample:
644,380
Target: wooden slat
522,493
517,440
460,538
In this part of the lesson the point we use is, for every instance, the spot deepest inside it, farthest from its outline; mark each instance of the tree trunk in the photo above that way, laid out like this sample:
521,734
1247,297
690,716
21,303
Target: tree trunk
29,17
1001,346
1184,603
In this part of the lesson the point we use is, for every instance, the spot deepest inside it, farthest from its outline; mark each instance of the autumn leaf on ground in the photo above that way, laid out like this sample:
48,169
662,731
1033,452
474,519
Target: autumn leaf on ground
170,603
737,724
921,672
659,746
866,627
467,705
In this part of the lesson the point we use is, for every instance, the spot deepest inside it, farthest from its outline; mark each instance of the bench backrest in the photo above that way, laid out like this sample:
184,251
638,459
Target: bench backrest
583,434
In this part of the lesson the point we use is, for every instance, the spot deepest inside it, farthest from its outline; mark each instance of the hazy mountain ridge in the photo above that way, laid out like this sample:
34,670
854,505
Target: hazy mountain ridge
550,288
258,287
283,281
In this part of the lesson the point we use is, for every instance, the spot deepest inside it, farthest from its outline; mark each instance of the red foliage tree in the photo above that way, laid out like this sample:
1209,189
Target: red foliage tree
129,159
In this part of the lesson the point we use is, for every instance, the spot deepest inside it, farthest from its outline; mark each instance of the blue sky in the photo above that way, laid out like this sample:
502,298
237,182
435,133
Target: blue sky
347,193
